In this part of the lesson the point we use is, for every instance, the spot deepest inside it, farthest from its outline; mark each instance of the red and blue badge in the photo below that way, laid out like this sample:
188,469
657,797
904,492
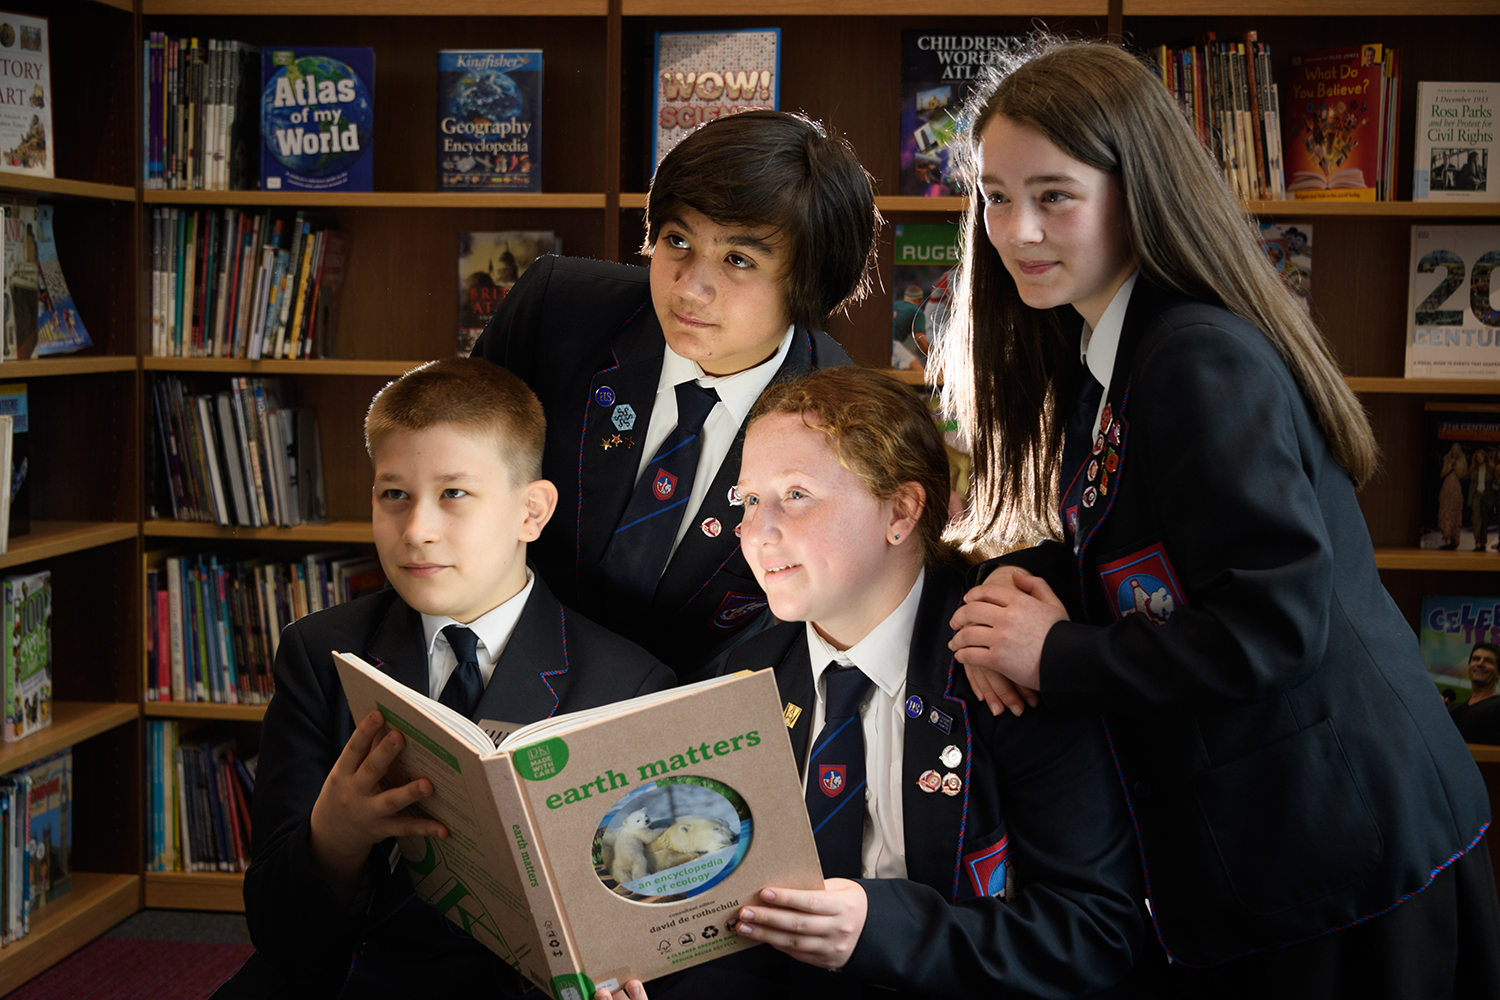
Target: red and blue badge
736,609
664,485
989,870
1142,583
831,778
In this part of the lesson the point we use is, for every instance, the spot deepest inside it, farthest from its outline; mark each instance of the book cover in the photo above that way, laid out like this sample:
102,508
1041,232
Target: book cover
317,119
22,280
489,120
703,75
1289,247
488,265
50,810
608,844
1334,123
1460,457
925,254
1455,141
1449,629
26,615
1451,317
939,71
59,328
26,137
13,403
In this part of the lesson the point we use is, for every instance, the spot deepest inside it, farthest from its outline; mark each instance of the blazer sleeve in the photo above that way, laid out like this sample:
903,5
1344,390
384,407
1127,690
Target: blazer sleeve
295,919
1228,456
515,332
1074,928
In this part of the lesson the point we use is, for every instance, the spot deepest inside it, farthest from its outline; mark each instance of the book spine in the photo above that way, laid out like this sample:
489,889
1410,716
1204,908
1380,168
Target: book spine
8,657
178,637
184,826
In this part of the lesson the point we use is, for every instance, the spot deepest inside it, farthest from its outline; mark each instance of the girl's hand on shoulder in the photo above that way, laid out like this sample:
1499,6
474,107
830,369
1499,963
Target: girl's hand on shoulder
819,927
999,632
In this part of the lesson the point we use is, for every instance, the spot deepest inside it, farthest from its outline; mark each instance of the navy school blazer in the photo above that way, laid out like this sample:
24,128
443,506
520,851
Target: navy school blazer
387,943
1290,765
584,336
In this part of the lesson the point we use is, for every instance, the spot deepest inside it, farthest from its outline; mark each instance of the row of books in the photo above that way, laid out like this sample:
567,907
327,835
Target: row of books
1226,91
200,129
37,311
212,626
36,840
201,792
238,456
234,284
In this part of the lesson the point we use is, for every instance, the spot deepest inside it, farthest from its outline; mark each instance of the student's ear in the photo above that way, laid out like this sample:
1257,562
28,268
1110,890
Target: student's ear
541,501
906,512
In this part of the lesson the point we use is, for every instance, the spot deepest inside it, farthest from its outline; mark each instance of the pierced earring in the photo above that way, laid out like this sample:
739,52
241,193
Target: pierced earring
898,538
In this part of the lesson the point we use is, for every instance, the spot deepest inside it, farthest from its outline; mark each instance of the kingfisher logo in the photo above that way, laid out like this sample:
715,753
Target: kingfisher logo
665,485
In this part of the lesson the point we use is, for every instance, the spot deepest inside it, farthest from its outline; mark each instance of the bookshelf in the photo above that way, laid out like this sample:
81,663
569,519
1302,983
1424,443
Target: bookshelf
399,304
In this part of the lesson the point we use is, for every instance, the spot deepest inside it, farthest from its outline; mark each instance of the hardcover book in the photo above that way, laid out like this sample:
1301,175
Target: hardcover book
488,265
13,404
926,253
317,119
703,75
1455,142
50,814
939,70
26,137
1335,117
26,615
1451,317
1460,457
603,845
1289,246
489,120
22,280
1450,626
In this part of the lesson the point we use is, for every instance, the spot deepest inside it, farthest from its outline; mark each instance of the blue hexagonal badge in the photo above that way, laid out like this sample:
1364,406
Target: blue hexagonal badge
624,417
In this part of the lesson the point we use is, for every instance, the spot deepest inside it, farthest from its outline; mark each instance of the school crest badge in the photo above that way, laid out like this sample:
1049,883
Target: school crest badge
1142,583
664,485
831,779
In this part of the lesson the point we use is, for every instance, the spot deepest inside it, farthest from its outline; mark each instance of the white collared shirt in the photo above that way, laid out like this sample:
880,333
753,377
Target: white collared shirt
737,396
1098,347
493,629
882,655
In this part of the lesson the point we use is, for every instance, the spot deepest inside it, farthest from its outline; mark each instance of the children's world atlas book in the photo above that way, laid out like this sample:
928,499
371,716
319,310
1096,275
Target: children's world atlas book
600,846
489,120
939,70
317,119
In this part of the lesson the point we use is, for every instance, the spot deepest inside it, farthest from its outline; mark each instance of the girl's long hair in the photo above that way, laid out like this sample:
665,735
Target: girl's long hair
1008,370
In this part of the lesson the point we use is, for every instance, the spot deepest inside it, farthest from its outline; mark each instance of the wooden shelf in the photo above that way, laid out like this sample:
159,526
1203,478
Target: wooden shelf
57,187
1456,562
1484,753
851,8
331,531
372,8
224,891
204,710
95,904
375,199
1425,386
1295,8
87,365
1376,209
72,722
56,538
312,366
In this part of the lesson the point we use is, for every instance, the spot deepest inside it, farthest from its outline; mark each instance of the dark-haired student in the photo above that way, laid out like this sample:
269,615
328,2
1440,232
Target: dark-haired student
964,854
759,226
457,496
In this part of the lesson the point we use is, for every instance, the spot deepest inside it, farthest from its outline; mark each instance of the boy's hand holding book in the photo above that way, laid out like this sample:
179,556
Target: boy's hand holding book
354,812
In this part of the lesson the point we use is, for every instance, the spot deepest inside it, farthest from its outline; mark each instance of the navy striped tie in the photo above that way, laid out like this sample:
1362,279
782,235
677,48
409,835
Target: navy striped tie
836,775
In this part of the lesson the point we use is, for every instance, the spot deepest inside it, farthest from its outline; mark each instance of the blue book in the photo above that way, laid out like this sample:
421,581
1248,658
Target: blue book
317,118
489,120
59,329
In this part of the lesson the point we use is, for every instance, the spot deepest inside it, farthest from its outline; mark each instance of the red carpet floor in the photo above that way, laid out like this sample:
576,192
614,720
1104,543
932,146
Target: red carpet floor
115,968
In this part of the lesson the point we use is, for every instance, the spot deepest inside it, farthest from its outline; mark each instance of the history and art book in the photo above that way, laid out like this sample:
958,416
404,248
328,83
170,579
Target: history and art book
26,137
1335,122
488,265
939,70
926,254
26,615
1452,322
1289,247
1460,492
317,118
703,75
1456,141
605,845
489,120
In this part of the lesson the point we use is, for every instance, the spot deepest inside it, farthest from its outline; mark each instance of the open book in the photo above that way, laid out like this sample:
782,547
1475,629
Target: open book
614,843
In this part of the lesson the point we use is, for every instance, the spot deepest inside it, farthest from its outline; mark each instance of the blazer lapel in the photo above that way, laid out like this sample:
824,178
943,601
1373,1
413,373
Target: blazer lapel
531,677
619,404
794,681
399,646
934,821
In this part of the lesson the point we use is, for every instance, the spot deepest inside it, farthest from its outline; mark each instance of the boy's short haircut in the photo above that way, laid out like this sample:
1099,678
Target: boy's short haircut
881,430
782,170
471,394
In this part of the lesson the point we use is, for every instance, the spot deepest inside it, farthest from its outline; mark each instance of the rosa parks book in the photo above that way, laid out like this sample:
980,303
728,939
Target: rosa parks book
599,846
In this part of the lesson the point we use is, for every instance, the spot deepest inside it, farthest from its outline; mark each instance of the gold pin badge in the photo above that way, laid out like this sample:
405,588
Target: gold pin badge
792,713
